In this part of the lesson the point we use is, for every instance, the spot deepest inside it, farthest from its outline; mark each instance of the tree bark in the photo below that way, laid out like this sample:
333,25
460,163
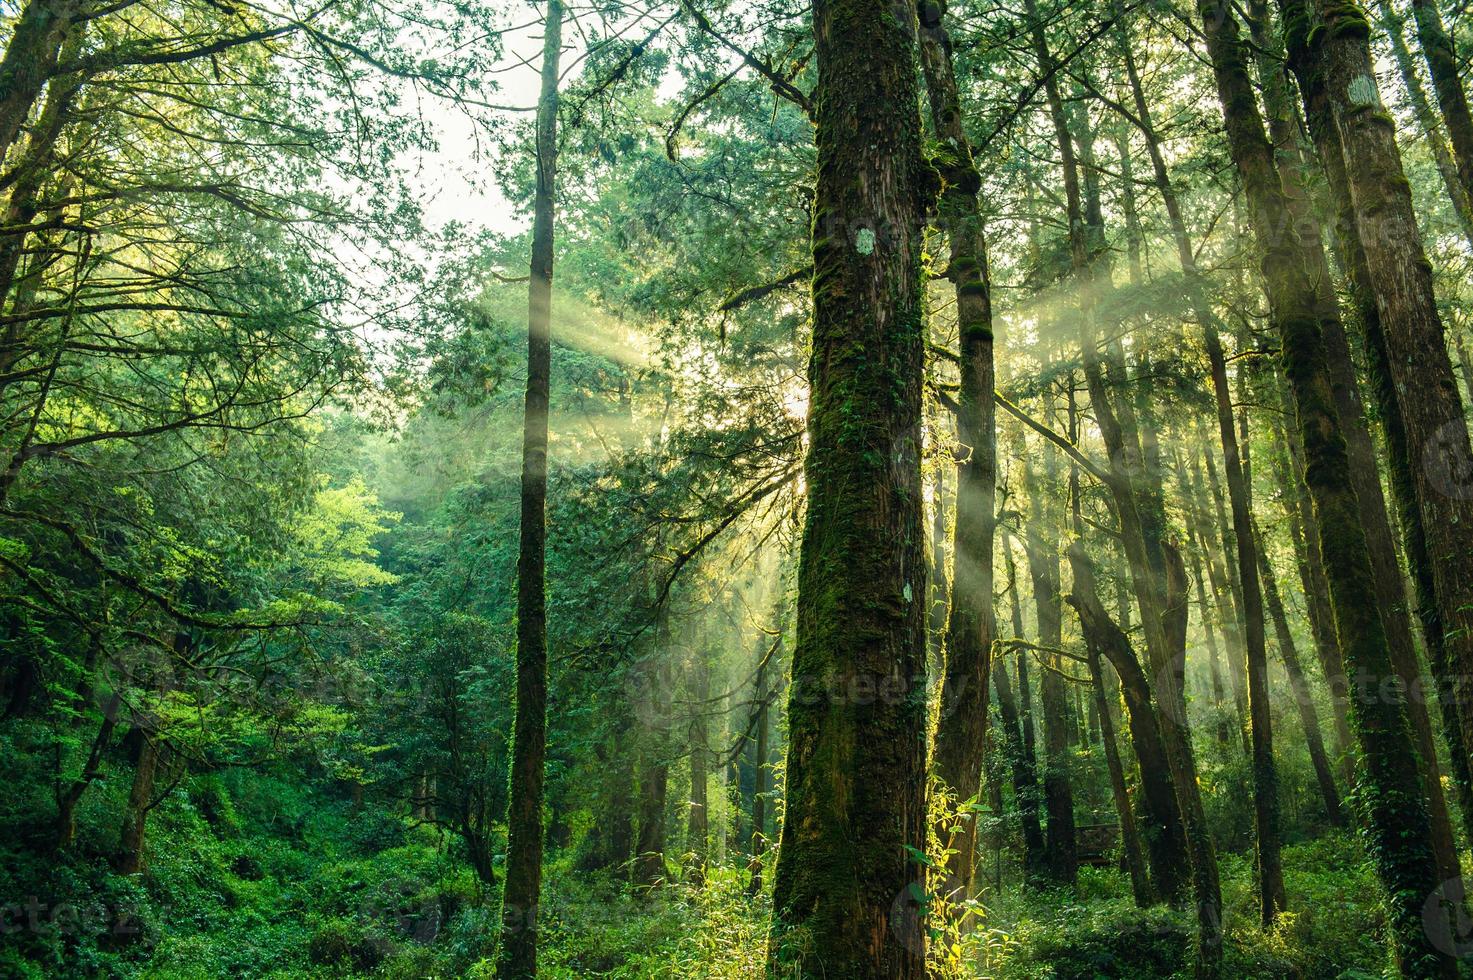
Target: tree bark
30,61
1397,807
523,888
847,881
1436,453
1360,450
129,859
961,731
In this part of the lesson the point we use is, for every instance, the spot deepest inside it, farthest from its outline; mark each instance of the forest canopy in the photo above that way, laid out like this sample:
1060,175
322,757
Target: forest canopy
725,490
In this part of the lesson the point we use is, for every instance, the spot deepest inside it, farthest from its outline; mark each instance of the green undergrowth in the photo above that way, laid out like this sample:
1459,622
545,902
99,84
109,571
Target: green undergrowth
251,875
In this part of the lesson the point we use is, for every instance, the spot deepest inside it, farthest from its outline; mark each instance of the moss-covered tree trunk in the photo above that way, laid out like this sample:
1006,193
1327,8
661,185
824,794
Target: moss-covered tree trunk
848,884
523,888
961,731
129,858
30,60
1436,456
1390,584
1396,808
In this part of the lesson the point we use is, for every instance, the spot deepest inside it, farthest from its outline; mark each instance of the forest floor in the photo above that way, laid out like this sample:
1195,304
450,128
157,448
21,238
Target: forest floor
250,875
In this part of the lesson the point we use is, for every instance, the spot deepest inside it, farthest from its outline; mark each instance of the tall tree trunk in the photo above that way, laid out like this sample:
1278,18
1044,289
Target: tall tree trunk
1202,571
1436,454
961,731
523,888
847,875
1236,654
1397,807
1304,530
1141,518
1360,450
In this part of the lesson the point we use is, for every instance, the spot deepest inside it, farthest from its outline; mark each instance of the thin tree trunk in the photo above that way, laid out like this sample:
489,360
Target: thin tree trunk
855,794
1427,120
1130,842
1242,564
698,820
1303,697
1058,794
1447,83
1141,528
654,769
1166,847
1304,530
1024,776
760,788
523,888
961,731
1236,654
1025,772
68,799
